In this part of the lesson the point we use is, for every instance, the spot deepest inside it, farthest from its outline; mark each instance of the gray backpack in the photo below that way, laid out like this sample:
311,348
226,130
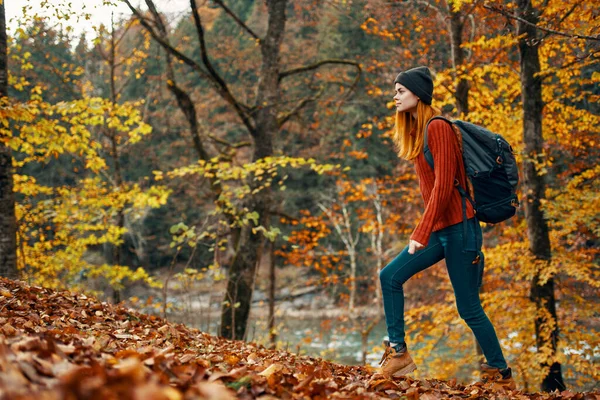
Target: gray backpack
492,169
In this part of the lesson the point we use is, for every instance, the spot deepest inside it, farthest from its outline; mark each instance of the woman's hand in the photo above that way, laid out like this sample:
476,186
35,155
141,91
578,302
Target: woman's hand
414,246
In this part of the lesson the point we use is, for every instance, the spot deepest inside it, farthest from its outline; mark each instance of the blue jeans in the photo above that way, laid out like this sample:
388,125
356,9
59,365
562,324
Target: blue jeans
465,278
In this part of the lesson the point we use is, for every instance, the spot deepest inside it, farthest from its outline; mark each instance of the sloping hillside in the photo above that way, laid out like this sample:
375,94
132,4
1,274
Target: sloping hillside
59,345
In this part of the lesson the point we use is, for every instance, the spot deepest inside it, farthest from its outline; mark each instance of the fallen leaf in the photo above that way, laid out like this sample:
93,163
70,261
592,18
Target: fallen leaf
253,359
271,370
214,391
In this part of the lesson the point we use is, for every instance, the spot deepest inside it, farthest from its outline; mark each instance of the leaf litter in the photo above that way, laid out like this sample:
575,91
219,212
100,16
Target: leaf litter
60,345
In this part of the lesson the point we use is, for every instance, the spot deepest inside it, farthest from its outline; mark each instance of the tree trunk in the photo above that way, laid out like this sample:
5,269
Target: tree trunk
240,285
542,292
272,287
117,250
8,222
351,246
352,300
344,231
260,121
377,246
457,23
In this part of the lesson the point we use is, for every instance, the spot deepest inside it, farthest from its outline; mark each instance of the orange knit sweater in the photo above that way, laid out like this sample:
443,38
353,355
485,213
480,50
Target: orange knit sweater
443,203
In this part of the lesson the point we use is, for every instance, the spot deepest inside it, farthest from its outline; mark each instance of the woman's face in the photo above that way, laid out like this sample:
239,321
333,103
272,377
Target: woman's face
406,101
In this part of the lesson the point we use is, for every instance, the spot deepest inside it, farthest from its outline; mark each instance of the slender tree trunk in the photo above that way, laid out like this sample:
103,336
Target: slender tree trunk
351,246
350,242
542,291
117,250
272,286
243,269
117,258
344,231
377,245
8,222
457,23
352,301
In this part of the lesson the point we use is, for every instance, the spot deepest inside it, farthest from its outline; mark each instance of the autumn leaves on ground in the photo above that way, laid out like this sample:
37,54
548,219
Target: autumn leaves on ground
59,345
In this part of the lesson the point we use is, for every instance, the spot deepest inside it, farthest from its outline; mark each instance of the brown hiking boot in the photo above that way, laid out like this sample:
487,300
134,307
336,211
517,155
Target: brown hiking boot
394,362
497,378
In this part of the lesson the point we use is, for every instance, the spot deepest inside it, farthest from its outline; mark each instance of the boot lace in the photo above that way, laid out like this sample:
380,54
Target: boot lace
491,376
384,359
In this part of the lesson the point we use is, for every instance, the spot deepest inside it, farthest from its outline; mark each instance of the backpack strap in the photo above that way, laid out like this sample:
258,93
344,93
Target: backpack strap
429,157
426,151
463,194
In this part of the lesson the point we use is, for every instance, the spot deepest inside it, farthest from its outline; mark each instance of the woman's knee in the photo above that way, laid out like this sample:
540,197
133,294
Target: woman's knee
390,274
384,274
471,312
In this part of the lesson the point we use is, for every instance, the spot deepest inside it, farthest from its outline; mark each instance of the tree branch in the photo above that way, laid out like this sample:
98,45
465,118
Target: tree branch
213,78
222,88
165,44
117,65
551,71
238,20
184,101
299,106
348,93
228,144
282,214
336,224
124,33
473,7
318,64
429,5
548,30
565,16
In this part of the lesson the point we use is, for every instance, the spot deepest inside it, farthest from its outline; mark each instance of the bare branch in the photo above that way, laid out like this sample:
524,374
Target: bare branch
545,4
548,30
212,77
348,226
429,5
472,39
187,107
318,64
124,33
552,71
566,16
222,88
473,7
184,101
284,215
165,44
228,144
59,74
336,225
237,19
348,93
122,62
299,106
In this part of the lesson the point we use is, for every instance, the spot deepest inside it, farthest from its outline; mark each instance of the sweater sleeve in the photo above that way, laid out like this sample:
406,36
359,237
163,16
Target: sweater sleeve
441,139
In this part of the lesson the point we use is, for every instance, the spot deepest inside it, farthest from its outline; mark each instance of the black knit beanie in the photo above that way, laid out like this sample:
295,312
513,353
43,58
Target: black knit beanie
417,80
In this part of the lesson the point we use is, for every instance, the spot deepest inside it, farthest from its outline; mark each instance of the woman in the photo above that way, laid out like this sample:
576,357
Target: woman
439,234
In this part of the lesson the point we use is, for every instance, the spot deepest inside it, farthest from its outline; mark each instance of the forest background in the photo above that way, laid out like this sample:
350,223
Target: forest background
230,166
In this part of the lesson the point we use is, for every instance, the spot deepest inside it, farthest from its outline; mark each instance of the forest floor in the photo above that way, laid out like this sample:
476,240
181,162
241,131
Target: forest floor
61,345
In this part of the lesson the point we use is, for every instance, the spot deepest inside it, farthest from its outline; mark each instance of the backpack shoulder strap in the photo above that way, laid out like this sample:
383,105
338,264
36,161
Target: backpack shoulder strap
426,151
463,194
